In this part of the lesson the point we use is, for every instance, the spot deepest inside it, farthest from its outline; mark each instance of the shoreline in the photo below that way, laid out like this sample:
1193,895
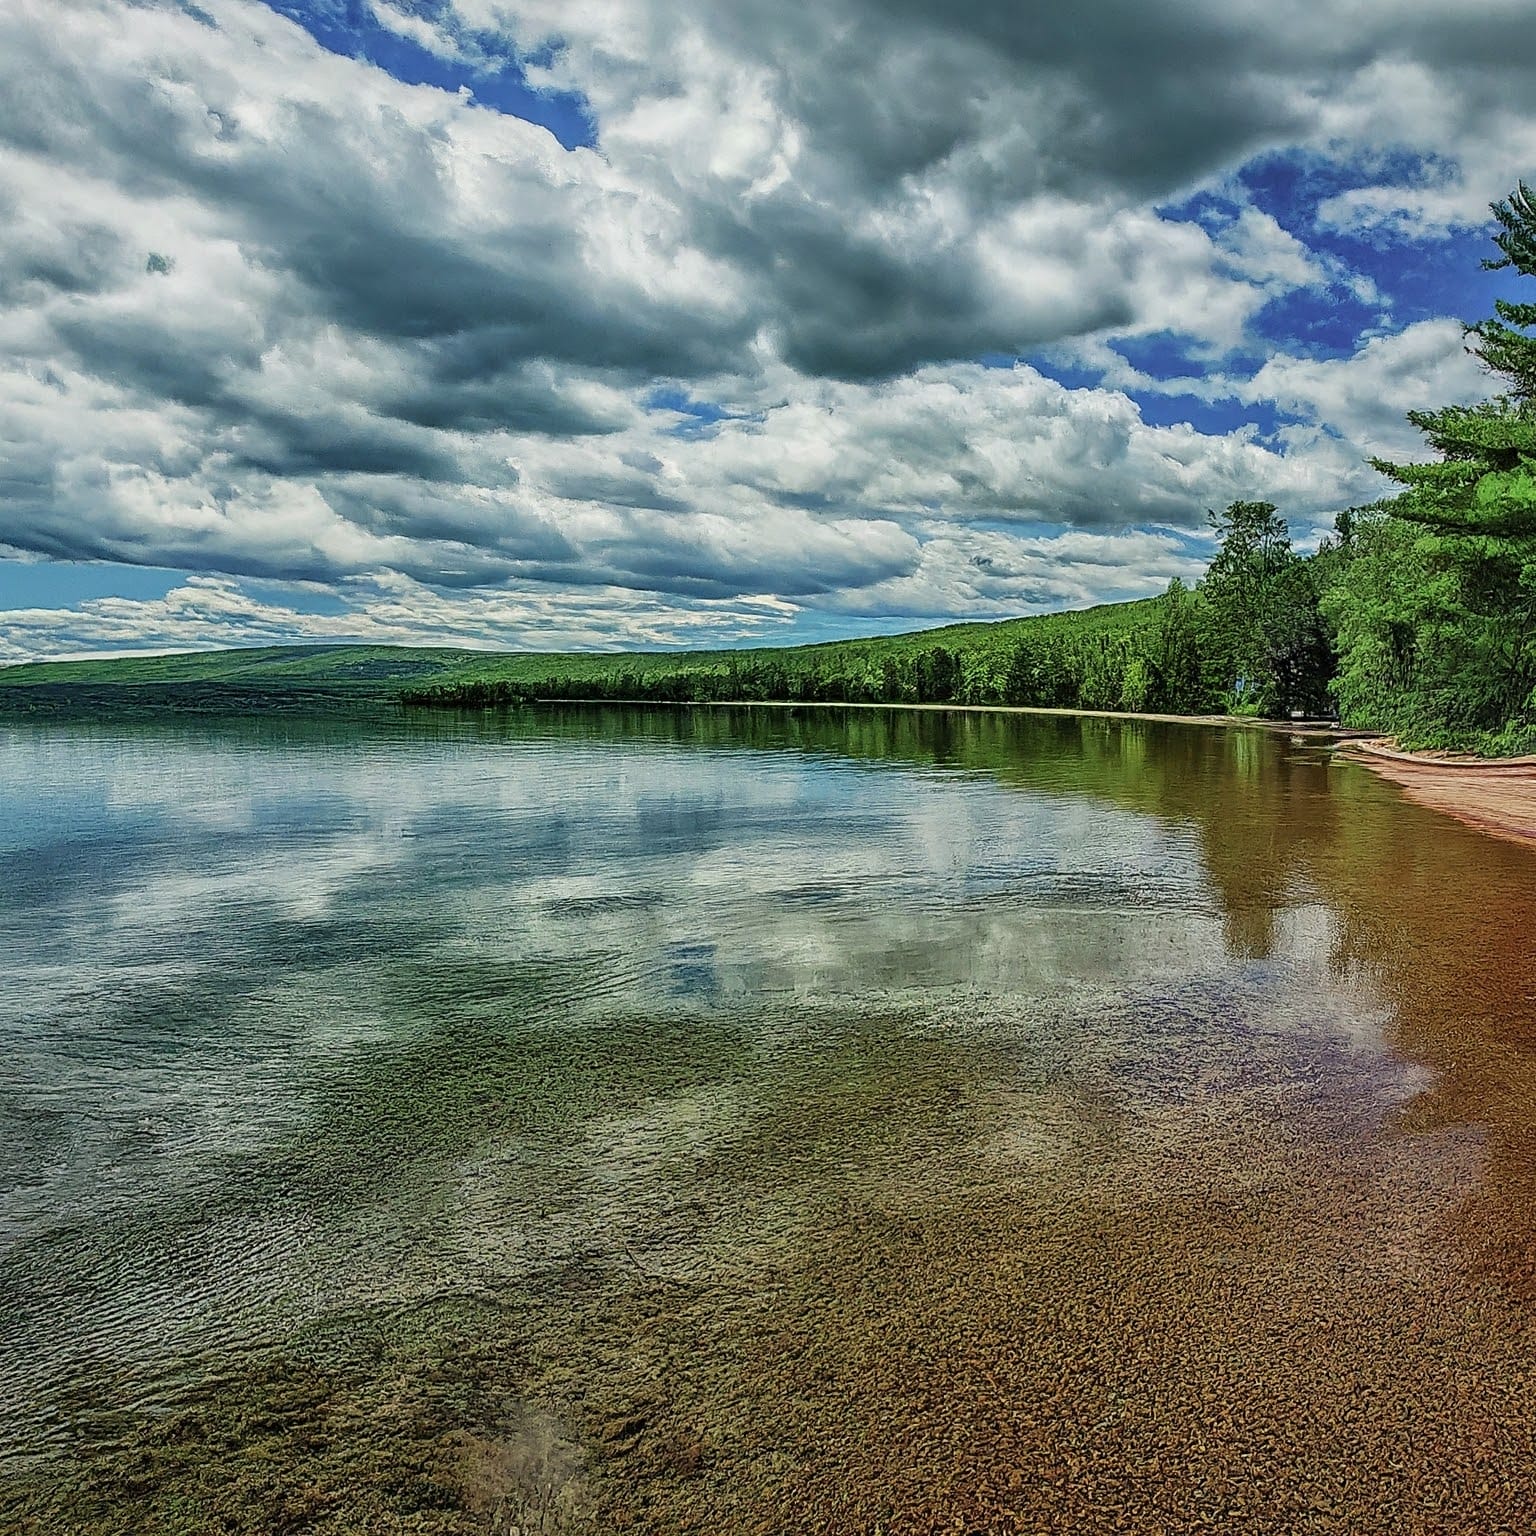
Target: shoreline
1493,795
937,708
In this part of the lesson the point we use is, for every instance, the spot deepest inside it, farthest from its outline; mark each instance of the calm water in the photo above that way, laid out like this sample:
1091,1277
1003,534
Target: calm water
303,1025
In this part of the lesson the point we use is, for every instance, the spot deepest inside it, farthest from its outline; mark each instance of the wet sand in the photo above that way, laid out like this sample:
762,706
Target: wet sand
1495,795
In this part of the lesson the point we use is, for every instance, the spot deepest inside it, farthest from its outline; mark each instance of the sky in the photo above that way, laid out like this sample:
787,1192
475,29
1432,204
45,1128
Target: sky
596,324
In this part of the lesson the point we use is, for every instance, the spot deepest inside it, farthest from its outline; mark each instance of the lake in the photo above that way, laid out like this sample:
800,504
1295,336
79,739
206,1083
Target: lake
756,1120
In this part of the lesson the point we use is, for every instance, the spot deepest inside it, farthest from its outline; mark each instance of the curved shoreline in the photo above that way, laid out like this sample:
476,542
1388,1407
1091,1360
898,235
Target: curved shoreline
1493,795
1454,762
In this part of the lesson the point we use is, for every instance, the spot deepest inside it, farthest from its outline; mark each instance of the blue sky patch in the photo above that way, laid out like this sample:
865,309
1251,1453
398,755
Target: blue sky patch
1210,416
1067,372
1159,355
1419,277
308,599
1309,323
703,415
492,73
64,584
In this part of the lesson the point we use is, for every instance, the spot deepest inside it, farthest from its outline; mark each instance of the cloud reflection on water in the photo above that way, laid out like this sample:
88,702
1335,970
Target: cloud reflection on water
304,1017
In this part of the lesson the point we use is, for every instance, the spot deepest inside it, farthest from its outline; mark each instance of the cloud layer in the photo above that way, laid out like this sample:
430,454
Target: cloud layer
269,312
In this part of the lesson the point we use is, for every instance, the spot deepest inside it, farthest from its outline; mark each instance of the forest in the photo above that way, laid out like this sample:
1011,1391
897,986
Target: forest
1415,616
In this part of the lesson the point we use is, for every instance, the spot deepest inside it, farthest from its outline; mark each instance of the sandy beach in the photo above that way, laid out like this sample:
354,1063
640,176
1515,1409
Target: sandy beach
1495,795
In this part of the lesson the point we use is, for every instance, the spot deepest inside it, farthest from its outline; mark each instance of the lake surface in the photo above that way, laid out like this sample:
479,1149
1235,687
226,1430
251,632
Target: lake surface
583,1120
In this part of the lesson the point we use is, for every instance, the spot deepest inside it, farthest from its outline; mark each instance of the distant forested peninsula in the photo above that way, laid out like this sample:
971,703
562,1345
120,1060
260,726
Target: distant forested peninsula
1177,653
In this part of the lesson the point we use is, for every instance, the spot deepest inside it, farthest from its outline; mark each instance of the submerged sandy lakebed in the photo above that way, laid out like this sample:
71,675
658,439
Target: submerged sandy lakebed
604,1120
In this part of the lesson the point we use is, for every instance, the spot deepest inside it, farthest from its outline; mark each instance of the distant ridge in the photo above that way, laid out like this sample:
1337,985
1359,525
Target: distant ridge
385,669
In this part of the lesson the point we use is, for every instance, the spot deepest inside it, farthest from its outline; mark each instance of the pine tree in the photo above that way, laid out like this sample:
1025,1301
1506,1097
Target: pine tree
1485,482
1502,342
1465,577
1263,648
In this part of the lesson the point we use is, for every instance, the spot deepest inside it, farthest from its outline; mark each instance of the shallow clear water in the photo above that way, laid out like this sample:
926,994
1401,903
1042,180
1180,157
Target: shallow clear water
303,1019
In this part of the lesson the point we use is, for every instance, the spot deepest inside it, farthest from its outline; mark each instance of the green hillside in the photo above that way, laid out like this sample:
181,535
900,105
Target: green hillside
254,677
325,666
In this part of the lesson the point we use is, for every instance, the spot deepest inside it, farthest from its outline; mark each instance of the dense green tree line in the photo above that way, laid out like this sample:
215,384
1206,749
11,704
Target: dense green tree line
1416,616
1171,655
1248,638
478,693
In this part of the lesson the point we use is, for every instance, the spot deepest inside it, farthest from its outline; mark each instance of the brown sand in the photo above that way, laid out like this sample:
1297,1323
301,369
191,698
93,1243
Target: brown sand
1228,1324
1497,796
